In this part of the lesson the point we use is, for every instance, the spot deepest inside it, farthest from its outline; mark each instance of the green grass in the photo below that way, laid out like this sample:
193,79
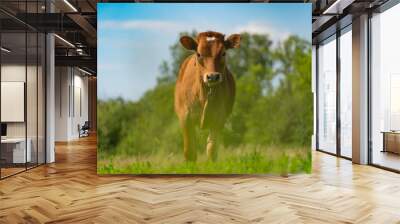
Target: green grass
241,160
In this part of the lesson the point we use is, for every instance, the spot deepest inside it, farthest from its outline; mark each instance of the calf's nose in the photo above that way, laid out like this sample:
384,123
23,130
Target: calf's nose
213,77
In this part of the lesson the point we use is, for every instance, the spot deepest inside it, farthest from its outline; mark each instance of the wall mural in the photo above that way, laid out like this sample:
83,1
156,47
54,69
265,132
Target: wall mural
204,88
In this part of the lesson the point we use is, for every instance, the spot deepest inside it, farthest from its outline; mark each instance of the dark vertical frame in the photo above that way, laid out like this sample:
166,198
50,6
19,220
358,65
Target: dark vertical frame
1,166
43,119
338,76
73,91
317,96
26,86
80,102
69,93
369,90
44,79
45,90
37,89
60,86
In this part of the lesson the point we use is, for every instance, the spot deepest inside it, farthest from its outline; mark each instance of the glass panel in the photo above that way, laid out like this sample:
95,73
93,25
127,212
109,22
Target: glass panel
31,100
31,86
23,90
41,99
327,96
13,89
346,94
385,84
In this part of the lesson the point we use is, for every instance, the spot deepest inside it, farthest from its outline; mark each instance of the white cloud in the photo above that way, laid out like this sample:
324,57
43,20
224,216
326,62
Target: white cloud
155,25
277,34
256,27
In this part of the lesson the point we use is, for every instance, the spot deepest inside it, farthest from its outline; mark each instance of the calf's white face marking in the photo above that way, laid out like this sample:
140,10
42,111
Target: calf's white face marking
210,39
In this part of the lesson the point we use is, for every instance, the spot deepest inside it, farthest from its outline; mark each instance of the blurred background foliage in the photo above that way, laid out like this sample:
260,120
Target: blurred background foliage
273,106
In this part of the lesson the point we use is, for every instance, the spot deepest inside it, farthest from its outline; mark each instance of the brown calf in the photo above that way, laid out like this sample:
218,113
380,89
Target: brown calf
205,90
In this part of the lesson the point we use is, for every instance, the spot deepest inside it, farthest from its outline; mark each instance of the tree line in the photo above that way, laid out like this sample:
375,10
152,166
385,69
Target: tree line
273,105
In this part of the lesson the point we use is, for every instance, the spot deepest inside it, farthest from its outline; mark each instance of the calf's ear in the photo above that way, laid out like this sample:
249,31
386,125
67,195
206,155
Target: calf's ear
233,41
189,43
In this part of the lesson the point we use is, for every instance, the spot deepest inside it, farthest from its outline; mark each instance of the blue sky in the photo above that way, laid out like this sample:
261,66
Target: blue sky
134,38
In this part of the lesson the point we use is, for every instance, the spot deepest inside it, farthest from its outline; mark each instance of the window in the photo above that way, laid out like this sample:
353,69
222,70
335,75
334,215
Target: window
385,89
327,95
346,92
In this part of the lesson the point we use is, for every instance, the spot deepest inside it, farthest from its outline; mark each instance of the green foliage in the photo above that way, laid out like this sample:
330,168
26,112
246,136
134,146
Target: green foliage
273,107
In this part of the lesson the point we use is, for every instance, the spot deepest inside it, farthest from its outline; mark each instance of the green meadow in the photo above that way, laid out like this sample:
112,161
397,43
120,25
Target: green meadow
269,130
242,160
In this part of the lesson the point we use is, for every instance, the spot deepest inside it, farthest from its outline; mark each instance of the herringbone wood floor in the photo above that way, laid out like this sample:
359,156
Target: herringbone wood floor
69,191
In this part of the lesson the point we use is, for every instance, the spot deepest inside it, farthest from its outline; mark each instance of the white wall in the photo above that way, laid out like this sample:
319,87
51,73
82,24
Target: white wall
13,101
71,93
80,100
62,81
12,73
9,73
34,126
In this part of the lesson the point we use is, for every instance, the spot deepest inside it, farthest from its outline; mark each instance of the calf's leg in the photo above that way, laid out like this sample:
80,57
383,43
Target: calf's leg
189,141
212,145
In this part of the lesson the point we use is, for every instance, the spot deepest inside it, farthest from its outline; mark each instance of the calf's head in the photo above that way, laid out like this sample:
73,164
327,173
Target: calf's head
210,48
